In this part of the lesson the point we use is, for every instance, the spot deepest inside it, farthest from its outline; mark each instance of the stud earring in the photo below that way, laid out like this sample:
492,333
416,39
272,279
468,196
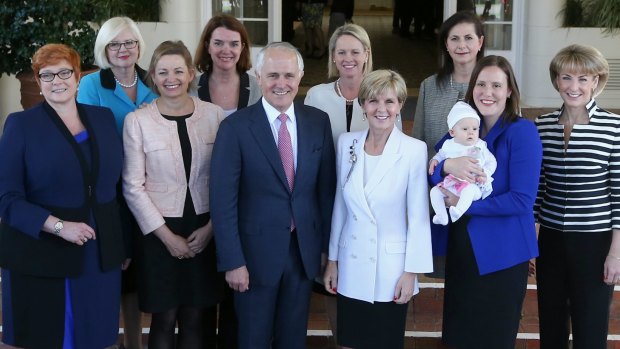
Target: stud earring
40,93
364,117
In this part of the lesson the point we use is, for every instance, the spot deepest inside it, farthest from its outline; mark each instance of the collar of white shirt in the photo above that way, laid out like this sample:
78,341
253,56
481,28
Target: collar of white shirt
273,113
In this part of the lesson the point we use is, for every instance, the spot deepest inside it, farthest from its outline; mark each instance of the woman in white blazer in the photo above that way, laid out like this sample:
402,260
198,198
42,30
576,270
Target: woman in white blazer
380,237
350,59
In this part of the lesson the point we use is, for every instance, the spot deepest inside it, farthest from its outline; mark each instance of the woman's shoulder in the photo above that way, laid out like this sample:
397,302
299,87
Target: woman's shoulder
548,117
522,124
208,108
321,88
143,112
411,143
92,80
430,80
25,117
521,130
606,114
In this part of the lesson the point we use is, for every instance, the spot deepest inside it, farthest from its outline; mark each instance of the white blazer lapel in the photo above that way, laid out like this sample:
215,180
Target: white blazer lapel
355,183
390,156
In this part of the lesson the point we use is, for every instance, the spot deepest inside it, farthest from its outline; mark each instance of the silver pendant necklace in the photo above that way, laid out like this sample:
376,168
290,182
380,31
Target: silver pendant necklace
461,94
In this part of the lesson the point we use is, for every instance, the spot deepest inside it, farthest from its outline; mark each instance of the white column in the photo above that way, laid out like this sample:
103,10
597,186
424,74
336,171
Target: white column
9,97
179,20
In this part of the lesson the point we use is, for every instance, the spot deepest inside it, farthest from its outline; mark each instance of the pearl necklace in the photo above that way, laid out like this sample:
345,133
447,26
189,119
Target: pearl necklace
135,81
340,92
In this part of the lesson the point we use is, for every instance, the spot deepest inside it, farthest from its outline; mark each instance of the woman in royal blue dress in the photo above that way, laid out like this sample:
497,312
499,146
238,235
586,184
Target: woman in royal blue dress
61,246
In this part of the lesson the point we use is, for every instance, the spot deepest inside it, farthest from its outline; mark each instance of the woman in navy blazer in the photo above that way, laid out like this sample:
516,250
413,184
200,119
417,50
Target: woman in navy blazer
488,252
61,246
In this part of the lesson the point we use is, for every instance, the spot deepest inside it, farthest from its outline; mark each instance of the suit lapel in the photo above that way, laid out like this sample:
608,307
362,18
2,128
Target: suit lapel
304,142
494,134
388,159
356,179
261,130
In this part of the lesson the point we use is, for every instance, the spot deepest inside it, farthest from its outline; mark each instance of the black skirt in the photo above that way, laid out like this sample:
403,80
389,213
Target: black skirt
480,309
363,325
167,282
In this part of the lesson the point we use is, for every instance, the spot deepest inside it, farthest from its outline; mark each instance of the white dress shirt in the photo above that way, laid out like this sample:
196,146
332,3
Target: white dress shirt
291,124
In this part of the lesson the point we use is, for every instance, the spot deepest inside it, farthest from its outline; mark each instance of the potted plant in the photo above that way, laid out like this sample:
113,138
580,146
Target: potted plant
592,13
30,24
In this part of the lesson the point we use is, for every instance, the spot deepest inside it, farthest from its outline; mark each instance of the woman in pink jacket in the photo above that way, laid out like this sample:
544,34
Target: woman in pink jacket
165,182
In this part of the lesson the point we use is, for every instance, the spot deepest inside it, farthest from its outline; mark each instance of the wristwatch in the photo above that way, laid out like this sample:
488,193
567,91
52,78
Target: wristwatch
58,226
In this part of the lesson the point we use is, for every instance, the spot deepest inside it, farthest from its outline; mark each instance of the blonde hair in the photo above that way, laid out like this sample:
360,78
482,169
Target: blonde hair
355,31
580,59
111,29
379,82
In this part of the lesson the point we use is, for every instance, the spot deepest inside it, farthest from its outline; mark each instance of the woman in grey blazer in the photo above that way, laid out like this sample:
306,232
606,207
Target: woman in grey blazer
461,45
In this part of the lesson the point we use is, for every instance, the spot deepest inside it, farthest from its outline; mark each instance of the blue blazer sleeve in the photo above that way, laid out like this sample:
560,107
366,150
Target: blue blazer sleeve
523,166
224,197
15,210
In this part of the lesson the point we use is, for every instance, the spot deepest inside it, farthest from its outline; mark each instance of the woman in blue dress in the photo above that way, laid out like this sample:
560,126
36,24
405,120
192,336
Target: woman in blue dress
61,246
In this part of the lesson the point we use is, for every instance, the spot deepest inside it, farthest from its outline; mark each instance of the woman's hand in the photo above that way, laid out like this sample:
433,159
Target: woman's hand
330,277
465,168
611,268
200,238
431,166
404,288
176,245
77,233
126,264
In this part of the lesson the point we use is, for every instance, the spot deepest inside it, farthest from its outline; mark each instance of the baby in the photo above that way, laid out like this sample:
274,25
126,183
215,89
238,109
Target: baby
464,124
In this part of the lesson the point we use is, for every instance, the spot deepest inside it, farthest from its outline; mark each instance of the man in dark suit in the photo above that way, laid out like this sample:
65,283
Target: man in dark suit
271,196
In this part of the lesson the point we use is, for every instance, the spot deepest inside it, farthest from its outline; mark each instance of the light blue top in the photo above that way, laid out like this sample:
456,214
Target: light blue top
100,89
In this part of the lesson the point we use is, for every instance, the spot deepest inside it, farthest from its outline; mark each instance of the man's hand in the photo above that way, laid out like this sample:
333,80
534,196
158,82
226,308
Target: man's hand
238,279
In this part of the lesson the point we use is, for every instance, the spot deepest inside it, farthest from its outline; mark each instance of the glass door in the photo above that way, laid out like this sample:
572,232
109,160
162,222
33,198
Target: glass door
254,14
262,18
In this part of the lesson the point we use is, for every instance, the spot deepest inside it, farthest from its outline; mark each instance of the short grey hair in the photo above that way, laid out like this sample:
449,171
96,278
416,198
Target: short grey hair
108,31
280,45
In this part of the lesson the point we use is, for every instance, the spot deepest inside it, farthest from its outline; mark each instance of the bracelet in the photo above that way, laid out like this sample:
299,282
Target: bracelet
614,257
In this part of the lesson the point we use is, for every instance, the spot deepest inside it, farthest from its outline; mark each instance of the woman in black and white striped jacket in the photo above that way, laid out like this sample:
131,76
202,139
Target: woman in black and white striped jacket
578,205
